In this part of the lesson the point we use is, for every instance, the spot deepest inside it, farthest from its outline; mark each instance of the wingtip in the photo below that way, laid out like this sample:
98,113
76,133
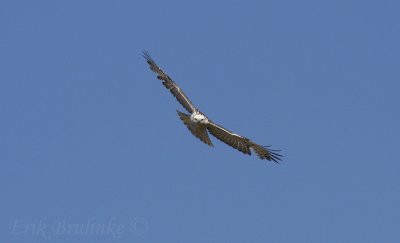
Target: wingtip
146,55
274,156
264,152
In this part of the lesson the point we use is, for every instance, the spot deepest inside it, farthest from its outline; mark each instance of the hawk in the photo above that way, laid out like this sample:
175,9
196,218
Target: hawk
198,123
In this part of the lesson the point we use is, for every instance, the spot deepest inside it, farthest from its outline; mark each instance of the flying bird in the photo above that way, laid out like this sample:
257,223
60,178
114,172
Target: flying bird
198,123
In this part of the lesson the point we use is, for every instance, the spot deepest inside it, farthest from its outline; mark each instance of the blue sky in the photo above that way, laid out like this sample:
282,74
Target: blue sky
92,148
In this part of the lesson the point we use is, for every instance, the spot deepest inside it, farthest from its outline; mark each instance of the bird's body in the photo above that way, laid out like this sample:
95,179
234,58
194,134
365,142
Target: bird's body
199,124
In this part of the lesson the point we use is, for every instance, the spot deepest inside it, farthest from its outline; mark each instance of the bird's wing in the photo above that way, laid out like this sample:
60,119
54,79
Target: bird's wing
198,130
241,143
170,84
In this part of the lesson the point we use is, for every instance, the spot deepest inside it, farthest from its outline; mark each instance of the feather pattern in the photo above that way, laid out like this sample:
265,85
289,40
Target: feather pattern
170,84
242,144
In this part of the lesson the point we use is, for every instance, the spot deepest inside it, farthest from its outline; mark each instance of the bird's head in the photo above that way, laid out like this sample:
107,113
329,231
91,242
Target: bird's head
199,118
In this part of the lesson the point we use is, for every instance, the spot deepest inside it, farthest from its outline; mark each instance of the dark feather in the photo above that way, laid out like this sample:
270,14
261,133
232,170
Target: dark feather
242,144
170,84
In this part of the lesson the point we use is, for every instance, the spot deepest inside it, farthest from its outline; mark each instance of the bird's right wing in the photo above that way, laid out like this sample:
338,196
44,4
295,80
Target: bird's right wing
170,84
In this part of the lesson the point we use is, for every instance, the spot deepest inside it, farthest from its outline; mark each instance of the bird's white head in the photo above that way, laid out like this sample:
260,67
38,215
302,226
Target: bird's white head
198,118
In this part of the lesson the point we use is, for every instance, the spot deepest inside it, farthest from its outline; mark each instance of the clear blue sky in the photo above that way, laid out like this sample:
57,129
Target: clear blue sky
92,148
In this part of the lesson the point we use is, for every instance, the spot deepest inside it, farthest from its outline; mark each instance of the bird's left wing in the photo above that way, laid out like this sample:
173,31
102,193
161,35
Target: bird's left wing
241,143
169,84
